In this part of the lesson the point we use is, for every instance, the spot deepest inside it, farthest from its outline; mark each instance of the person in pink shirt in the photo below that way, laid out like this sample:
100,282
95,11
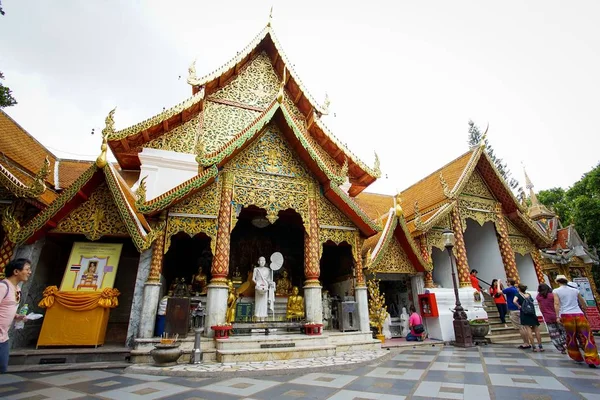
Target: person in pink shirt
16,271
415,323
557,332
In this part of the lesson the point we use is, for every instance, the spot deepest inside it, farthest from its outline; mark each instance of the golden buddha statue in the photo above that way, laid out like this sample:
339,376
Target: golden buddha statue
283,285
199,282
231,303
295,305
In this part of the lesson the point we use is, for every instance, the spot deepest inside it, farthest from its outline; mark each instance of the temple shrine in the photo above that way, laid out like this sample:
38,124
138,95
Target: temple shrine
168,239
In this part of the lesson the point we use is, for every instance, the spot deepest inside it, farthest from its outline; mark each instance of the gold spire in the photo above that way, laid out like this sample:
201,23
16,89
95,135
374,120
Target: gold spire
109,128
529,185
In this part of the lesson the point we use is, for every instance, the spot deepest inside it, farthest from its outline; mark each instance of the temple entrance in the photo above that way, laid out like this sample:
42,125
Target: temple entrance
337,269
398,298
189,258
483,252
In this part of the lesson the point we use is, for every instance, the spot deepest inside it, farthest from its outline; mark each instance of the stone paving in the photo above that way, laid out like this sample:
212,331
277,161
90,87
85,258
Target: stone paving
491,372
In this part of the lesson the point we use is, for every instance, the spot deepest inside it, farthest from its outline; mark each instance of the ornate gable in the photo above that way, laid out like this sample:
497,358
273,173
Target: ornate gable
394,260
98,216
182,139
477,187
206,202
331,216
222,122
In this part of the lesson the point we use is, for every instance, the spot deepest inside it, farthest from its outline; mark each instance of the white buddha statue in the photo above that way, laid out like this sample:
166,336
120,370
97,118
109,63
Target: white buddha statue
404,322
264,290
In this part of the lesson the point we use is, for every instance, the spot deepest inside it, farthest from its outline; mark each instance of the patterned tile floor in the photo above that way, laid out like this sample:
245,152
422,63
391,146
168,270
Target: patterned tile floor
438,372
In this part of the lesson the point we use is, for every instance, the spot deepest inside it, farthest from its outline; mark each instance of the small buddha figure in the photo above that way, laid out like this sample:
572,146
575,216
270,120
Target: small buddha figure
181,289
295,305
199,282
231,303
284,285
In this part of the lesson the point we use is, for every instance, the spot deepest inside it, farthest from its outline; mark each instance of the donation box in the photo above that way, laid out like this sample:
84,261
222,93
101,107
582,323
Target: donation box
428,305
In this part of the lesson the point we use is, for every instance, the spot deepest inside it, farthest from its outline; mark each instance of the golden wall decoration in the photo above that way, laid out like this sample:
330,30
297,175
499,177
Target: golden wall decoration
97,217
192,226
338,236
479,210
329,162
476,186
221,123
256,85
331,215
512,229
182,139
206,202
435,239
521,245
271,154
394,260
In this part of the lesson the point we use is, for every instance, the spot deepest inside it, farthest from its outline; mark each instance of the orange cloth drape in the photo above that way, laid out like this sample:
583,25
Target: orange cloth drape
80,301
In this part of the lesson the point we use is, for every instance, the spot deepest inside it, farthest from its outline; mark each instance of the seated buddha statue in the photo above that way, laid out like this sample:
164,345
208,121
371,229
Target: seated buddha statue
295,305
231,303
199,282
283,285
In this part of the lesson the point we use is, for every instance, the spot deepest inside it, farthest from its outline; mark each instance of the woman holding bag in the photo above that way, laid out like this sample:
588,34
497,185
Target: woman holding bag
558,335
499,299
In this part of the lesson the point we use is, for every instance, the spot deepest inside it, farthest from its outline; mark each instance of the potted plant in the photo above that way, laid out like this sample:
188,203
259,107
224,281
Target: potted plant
479,327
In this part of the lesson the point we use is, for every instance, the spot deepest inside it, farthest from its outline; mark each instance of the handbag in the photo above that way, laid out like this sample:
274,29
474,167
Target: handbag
419,328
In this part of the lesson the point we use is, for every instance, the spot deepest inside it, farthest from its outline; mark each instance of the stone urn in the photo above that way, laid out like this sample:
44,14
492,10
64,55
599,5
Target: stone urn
479,329
166,355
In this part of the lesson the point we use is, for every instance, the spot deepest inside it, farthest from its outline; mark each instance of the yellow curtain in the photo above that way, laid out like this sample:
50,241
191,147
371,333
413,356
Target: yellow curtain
80,301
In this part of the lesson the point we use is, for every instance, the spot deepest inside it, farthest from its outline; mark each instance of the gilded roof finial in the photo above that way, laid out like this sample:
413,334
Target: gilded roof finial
377,166
398,205
482,142
109,129
192,77
270,17
529,185
140,192
447,191
326,104
281,91
418,221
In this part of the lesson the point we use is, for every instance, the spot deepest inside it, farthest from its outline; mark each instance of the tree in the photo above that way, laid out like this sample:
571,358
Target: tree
6,98
556,200
475,137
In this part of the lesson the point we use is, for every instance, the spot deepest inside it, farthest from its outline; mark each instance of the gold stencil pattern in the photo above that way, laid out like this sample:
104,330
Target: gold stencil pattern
97,217
204,203
222,123
337,236
521,245
182,139
479,210
192,226
256,85
512,229
395,260
330,215
537,264
460,250
506,251
475,186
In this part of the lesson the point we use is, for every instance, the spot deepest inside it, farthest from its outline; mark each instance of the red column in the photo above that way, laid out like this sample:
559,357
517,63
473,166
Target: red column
220,265
506,251
460,250
537,264
311,243
428,276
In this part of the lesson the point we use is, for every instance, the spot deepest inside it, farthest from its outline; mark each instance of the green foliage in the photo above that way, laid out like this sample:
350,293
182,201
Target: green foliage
475,137
556,200
6,98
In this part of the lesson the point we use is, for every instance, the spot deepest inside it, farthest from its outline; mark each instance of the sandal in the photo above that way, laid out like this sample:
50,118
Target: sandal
541,349
534,350
524,347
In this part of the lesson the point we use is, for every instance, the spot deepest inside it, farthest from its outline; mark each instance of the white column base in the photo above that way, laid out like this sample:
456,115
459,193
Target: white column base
149,309
313,304
216,307
362,299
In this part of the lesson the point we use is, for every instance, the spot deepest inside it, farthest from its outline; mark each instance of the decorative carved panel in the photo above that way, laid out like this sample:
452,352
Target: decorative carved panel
480,210
256,85
394,260
330,215
476,186
512,229
192,226
204,203
435,239
338,236
97,217
182,139
521,245
222,122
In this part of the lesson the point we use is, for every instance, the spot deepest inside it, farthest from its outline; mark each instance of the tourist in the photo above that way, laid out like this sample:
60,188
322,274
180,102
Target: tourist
474,280
499,299
529,320
545,300
568,306
16,271
415,324
513,311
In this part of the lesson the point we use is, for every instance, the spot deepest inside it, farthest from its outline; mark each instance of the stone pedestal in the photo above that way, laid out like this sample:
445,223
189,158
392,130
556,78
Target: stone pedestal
362,300
149,308
216,307
313,304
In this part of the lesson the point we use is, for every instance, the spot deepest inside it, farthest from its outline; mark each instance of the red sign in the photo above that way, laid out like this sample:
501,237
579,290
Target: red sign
593,317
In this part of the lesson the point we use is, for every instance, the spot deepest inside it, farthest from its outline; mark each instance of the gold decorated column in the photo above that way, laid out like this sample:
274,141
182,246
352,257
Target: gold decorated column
460,250
428,276
6,253
311,242
360,276
220,265
537,264
506,251
158,252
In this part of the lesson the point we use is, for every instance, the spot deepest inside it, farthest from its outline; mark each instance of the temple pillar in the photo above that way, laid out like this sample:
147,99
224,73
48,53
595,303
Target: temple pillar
537,264
460,250
152,289
138,296
506,251
428,275
312,286
6,253
360,289
216,300
418,287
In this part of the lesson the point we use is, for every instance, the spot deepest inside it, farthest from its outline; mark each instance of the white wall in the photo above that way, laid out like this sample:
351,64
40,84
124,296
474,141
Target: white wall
442,274
526,271
483,252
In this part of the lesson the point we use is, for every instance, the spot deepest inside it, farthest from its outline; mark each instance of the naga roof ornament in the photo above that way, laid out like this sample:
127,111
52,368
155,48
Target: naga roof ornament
377,167
482,142
192,78
109,129
447,192
326,104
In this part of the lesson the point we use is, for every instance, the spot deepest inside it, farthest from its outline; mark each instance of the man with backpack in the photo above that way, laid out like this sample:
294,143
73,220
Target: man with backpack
513,311
16,271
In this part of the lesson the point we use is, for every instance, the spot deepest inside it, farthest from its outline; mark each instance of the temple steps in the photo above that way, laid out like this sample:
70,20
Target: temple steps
501,334
287,353
59,356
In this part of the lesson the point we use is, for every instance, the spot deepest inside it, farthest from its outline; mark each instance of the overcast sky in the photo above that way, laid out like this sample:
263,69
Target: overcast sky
404,77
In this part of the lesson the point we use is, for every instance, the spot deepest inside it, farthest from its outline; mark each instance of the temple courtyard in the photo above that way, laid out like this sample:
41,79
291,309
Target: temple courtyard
424,372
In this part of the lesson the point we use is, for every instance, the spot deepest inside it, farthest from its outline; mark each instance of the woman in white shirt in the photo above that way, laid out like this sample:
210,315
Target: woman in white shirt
569,306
